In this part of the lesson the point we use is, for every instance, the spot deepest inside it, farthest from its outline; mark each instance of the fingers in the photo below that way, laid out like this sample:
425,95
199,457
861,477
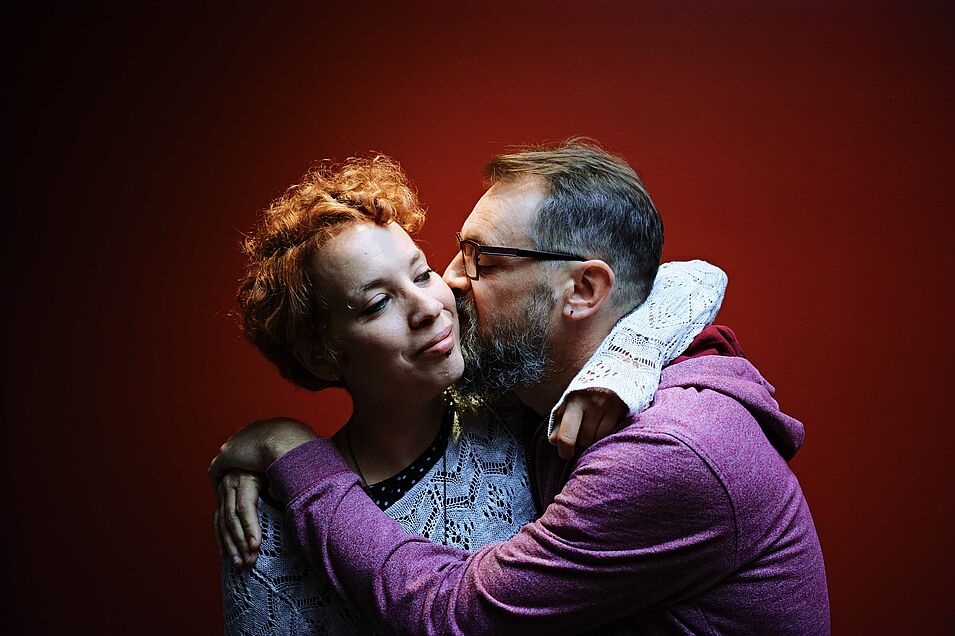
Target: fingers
229,550
615,411
565,437
608,424
587,434
217,534
247,499
233,533
589,416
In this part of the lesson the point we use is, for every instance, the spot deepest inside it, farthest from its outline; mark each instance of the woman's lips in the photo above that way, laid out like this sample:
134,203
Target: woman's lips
442,343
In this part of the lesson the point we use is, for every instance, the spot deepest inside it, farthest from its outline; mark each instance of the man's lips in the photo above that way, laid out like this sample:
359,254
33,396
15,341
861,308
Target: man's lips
441,343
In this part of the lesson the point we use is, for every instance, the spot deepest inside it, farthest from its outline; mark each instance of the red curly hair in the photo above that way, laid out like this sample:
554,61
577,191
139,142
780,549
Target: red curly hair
282,310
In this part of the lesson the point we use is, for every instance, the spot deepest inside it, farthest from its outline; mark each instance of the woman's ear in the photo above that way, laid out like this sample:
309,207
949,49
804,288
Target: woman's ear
588,288
319,363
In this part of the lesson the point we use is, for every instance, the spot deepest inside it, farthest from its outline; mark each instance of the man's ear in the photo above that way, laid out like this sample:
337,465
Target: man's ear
316,360
588,287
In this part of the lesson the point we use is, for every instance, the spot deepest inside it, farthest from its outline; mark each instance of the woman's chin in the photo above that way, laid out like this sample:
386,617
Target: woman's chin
457,364
453,370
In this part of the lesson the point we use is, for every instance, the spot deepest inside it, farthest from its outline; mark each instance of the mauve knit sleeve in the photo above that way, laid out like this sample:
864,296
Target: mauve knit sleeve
623,535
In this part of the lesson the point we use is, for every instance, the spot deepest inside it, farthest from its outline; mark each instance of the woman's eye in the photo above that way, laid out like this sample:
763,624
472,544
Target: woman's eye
375,307
424,277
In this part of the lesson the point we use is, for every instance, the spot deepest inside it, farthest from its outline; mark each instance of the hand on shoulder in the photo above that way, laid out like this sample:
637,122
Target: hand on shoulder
255,447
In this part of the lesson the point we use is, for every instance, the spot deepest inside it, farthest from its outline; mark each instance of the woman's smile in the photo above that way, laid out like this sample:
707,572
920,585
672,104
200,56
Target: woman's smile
441,344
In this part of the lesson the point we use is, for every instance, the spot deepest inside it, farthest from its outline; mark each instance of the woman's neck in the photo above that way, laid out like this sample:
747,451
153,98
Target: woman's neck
382,438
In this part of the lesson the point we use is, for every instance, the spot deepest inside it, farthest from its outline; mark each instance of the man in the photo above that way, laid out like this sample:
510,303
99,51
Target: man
685,520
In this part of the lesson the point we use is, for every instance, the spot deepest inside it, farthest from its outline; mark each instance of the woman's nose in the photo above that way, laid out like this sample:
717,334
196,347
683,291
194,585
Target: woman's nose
426,308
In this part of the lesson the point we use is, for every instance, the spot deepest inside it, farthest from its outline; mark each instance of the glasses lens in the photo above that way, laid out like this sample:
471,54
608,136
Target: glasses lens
469,253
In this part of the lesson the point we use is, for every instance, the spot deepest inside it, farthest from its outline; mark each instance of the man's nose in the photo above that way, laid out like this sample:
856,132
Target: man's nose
455,277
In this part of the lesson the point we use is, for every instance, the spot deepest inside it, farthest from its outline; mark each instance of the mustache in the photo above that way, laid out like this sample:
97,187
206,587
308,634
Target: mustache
467,317
465,308
512,351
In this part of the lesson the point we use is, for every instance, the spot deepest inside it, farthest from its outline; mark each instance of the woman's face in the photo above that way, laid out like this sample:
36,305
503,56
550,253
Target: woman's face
392,319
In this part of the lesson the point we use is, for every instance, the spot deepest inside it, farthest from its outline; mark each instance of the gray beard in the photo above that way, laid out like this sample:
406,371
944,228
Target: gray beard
514,353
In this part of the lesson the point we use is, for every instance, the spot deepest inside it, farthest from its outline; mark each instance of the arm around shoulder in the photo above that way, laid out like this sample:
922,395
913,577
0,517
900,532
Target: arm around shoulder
632,528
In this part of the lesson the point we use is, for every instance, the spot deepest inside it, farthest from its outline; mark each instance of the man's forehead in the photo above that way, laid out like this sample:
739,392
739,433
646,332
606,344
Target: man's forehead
506,212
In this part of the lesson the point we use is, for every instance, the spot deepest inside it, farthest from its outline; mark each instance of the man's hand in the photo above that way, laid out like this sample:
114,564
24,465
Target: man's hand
588,417
236,521
255,447
236,474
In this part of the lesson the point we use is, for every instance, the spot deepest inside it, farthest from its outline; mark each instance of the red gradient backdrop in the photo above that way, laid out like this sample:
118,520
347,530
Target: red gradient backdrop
806,149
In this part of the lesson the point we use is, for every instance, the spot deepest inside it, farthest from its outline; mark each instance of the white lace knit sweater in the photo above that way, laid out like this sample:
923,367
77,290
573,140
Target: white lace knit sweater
487,497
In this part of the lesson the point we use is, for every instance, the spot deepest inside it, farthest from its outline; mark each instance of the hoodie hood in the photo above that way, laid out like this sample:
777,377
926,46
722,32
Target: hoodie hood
713,340
714,361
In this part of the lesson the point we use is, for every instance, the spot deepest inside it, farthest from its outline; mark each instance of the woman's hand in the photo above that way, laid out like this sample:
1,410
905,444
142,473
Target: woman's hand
589,416
236,520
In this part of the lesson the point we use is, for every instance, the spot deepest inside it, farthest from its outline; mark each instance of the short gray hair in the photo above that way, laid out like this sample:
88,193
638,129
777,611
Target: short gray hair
596,207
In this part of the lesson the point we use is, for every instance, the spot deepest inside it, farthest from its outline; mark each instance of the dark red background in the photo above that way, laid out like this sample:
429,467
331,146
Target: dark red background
806,149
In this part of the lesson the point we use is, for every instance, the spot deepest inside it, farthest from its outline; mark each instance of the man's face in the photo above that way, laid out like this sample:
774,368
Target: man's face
505,314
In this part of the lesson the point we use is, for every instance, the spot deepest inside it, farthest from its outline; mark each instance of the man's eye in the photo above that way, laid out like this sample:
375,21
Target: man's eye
375,307
424,277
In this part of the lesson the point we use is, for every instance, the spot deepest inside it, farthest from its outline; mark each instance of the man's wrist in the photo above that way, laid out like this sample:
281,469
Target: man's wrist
304,466
283,441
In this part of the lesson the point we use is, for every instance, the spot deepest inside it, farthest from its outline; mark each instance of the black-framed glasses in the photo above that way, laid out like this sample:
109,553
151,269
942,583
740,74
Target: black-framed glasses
471,253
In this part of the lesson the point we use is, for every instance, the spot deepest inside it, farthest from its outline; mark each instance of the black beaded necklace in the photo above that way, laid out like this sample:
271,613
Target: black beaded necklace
387,492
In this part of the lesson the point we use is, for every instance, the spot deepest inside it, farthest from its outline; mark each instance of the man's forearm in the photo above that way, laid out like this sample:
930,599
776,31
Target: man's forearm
365,563
406,583
585,563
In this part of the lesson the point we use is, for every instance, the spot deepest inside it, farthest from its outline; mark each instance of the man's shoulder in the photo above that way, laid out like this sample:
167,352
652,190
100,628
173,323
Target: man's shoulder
689,439
697,415
641,486
690,432
721,408
658,463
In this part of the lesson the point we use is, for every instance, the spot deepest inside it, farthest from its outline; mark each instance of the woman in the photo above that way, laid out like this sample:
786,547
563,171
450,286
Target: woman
338,294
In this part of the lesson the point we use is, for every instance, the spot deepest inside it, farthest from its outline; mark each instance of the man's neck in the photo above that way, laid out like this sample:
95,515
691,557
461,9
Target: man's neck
570,350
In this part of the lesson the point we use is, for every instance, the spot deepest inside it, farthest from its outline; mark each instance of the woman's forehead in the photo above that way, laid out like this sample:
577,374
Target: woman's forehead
363,256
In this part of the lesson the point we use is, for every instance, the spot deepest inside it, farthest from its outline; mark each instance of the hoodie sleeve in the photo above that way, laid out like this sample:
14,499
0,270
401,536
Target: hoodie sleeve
621,536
